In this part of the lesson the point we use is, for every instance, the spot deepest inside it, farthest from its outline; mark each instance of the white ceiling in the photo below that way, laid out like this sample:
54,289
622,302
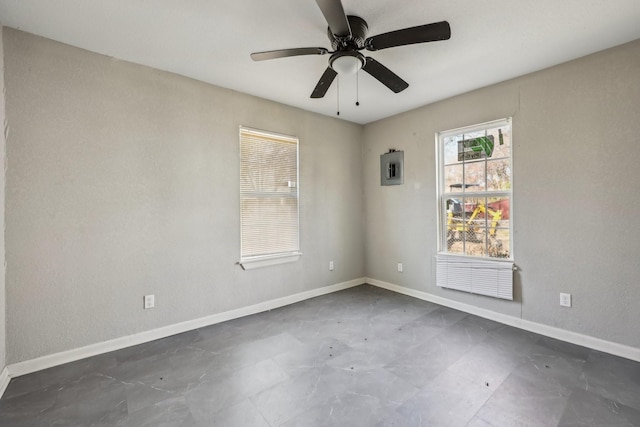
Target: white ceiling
210,40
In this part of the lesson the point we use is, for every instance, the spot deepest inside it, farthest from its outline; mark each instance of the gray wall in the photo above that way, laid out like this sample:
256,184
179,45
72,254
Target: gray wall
123,181
576,157
2,182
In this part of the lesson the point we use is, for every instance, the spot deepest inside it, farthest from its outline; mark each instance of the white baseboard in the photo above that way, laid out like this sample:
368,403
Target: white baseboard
4,380
616,349
44,362
22,368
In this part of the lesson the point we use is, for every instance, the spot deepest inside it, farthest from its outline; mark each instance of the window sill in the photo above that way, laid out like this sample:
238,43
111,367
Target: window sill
268,260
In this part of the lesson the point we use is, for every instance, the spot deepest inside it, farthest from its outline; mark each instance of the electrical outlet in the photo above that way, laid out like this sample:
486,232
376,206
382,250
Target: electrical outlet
330,265
149,301
400,268
565,300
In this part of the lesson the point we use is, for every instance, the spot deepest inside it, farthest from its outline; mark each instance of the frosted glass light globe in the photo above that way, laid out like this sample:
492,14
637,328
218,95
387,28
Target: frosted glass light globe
345,65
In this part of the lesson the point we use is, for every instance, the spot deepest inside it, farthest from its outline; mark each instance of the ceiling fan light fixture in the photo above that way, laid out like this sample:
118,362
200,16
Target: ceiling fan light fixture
347,64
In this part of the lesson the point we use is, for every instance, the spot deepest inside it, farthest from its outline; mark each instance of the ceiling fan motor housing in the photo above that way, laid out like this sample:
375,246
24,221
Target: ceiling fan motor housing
359,29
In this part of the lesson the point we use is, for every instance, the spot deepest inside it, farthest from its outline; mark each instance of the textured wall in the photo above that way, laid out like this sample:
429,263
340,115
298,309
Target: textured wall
576,135
123,181
2,182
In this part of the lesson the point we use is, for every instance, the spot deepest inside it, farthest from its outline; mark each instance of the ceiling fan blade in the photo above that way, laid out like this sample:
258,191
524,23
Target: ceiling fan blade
336,18
419,34
323,84
384,75
283,53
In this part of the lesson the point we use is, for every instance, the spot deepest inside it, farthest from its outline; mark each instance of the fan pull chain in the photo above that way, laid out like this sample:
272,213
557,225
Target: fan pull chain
338,99
358,88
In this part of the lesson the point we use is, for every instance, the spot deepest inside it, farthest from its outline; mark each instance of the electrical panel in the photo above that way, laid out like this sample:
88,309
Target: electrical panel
392,168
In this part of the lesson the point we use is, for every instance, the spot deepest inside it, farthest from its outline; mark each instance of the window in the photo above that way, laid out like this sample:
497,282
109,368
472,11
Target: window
268,198
475,190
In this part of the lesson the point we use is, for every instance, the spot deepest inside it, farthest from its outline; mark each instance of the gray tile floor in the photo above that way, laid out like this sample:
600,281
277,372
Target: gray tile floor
360,357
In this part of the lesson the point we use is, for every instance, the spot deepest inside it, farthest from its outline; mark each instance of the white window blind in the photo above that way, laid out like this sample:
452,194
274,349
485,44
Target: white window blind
478,276
268,195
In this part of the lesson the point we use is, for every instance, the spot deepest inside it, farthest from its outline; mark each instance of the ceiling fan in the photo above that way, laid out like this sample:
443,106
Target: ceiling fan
348,36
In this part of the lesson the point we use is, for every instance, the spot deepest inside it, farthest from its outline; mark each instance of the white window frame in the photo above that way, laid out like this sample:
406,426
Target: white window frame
443,195
267,259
